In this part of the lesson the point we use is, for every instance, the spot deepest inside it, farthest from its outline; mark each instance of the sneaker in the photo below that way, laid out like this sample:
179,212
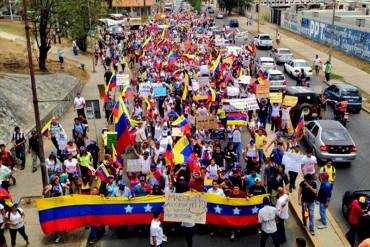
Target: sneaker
232,237
312,233
211,234
322,226
57,240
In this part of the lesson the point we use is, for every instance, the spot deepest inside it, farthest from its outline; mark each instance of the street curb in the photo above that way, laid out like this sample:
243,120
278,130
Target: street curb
325,82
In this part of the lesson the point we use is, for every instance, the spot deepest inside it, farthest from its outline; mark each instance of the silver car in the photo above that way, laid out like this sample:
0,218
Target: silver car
330,140
282,55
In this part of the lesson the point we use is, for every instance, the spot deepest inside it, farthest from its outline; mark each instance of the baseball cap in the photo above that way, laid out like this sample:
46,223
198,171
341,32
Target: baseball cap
325,175
362,199
58,170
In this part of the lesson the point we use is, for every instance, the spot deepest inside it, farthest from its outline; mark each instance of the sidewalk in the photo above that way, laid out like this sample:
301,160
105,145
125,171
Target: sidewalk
350,73
29,184
332,234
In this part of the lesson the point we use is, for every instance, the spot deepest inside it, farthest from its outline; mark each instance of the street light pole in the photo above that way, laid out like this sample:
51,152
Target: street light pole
332,32
34,95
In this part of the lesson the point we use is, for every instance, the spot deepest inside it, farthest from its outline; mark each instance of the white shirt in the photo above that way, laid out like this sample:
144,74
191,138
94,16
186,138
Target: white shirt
317,61
79,102
16,218
309,164
156,231
158,151
275,111
71,166
218,192
145,168
212,171
283,211
237,135
266,216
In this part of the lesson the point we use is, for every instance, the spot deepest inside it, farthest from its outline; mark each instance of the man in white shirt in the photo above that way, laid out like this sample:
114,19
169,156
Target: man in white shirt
145,163
156,232
237,141
79,105
309,164
282,206
267,219
215,189
158,149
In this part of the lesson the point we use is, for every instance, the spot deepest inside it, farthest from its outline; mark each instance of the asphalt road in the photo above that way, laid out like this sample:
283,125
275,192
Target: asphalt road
357,175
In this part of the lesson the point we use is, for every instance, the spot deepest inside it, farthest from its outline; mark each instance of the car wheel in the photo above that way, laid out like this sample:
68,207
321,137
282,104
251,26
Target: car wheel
306,109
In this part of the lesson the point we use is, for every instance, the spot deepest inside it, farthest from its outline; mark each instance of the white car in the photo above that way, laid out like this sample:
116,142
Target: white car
263,41
265,63
277,80
294,66
236,50
282,55
219,16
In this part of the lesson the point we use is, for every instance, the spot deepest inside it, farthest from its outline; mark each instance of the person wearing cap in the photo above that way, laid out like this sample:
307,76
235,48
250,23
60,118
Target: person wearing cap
15,221
357,209
154,175
257,188
158,149
146,162
111,187
141,189
330,169
85,161
323,197
306,199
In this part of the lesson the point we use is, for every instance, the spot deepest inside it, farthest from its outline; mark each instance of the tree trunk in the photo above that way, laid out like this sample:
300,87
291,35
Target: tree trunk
43,55
82,43
44,46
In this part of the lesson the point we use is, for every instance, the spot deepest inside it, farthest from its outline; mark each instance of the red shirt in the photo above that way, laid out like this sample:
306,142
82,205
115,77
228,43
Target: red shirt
355,213
197,184
240,195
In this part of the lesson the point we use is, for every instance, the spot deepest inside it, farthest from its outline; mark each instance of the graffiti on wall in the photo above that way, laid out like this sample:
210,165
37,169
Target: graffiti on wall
350,41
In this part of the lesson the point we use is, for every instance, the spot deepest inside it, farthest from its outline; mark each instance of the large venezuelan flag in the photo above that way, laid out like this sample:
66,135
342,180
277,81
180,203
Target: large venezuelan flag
65,213
234,118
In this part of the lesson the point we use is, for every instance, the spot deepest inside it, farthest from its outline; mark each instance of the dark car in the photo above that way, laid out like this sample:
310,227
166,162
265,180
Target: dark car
234,23
307,103
347,92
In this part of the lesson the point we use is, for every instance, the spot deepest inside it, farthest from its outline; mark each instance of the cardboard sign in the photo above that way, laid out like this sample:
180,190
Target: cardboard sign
292,162
276,98
189,208
160,91
206,122
176,132
111,139
123,79
245,79
232,91
290,100
134,165
200,97
145,89
263,90
101,89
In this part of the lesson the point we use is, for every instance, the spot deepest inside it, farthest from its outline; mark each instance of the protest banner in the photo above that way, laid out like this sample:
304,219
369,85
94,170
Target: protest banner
134,165
190,208
290,100
232,91
123,79
176,131
160,91
276,97
263,90
292,162
206,122
145,89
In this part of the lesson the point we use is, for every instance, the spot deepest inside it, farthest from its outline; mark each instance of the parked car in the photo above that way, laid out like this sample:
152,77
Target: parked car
277,80
294,67
234,23
263,41
219,15
330,140
307,103
265,63
116,31
282,55
347,92
210,10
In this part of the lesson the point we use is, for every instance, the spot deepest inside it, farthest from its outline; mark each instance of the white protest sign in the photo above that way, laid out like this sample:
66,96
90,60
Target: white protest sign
292,161
245,79
189,208
134,165
123,79
194,86
145,89
232,91
252,104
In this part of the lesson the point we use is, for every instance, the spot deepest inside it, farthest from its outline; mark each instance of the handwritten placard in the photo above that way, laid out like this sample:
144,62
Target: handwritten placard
206,122
189,208
123,79
292,162
176,131
232,91
263,89
276,97
290,100
134,165
145,89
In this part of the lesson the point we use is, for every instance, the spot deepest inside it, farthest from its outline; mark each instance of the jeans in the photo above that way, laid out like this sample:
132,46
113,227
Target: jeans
311,214
35,156
292,179
265,236
93,233
323,213
56,145
13,234
20,153
188,235
238,147
281,231
260,156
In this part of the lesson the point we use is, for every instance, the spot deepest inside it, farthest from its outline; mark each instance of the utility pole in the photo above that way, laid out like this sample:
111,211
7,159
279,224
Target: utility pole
258,17
34,95
332,32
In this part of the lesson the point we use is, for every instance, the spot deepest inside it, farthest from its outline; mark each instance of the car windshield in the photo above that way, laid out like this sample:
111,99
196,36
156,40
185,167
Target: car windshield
300,64
265,38
350,92
334,135
285,52
276,77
